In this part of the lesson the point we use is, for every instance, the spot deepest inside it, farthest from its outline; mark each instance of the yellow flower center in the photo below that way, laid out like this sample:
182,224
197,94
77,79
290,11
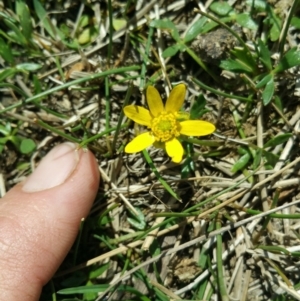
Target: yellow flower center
165,127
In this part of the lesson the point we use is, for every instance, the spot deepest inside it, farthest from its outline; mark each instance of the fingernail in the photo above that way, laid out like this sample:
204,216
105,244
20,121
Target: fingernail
54,169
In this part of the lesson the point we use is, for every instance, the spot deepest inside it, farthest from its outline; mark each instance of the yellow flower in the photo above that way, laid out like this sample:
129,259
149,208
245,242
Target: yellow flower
165,123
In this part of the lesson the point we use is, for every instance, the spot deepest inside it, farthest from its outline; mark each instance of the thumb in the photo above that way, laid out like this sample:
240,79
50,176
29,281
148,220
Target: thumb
40,218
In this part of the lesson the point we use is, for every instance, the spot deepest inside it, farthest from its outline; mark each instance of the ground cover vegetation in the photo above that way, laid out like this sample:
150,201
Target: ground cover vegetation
192,110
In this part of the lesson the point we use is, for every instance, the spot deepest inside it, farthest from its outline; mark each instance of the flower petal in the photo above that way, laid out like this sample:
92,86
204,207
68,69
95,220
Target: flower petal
174,150
138,114
176,98
154,101
196,128
139,143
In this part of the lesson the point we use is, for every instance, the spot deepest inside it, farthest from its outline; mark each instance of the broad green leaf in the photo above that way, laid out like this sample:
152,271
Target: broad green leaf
65,30
19,7
171,51
16,33
257,159
6,52
5,130
25,18
221,8
138,221
27,146
84,21
274,33
278,103
241,163
85,36
275,23
73,44
119,23
46,22
3,141
29,66
104,220
246,21
268,92
155,247
42,15
168,25
278,140
15,140
235,65
289,60
260,5
295,22
194,30
98,271
271,158
89,296
175,34
264,81
37,85
198,107
242,151
244,56
8,127
209,26
188,166
265,56
163,24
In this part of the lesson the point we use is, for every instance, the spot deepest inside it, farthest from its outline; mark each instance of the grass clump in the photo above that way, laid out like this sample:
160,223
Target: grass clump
221,223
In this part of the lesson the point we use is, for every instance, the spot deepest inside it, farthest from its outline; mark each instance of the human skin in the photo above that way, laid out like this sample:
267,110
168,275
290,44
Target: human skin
40,218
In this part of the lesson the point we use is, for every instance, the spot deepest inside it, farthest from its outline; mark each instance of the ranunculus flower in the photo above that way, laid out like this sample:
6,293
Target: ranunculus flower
164,123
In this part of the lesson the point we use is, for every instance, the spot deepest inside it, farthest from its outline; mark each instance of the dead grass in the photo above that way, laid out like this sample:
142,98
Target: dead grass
228,228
